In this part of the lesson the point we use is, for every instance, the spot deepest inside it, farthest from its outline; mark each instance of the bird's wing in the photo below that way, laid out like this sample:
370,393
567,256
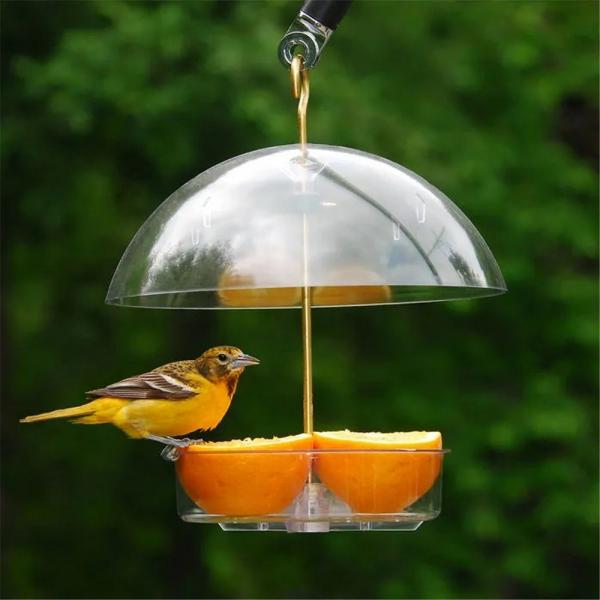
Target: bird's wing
152,385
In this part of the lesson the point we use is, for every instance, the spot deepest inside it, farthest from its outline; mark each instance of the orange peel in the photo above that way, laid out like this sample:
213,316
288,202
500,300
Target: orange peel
378,482
245,477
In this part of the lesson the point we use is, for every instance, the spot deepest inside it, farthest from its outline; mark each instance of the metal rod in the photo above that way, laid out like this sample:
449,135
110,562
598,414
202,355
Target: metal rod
302,109
307,337
301,91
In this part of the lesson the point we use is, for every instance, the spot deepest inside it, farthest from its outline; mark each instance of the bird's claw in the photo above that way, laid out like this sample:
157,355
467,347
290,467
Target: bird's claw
171,453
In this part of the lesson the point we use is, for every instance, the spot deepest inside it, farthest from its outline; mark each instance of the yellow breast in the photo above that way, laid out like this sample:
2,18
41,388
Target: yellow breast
176,417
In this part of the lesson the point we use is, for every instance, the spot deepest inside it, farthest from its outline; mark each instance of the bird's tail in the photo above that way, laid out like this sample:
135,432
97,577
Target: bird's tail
97,411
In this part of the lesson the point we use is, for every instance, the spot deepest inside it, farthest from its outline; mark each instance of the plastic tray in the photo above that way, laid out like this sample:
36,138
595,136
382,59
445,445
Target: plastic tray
311,490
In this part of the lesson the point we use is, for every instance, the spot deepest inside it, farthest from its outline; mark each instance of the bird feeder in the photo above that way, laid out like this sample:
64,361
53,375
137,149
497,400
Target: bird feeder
309,226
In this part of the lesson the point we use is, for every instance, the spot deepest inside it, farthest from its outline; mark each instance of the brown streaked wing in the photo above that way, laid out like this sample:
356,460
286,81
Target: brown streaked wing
151,385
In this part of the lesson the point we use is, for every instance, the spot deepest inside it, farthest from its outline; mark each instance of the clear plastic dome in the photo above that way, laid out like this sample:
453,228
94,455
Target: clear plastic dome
252,231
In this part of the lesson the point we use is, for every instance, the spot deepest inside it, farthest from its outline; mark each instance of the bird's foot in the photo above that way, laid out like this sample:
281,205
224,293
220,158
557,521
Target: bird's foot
171,441
171,453
173,446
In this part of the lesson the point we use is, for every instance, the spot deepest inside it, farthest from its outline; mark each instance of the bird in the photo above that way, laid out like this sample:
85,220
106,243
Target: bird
172,400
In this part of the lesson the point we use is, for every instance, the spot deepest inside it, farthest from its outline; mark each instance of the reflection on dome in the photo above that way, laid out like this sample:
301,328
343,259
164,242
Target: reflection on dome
254,230
239,291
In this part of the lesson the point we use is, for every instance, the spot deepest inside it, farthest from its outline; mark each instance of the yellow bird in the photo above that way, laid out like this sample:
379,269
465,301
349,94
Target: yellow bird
174,399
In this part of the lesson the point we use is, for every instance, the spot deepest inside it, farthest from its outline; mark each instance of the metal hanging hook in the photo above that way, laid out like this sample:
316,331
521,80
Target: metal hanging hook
301,92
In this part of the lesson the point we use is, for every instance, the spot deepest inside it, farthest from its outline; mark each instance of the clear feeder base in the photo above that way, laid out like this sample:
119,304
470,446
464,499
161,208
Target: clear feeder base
357,522
316,509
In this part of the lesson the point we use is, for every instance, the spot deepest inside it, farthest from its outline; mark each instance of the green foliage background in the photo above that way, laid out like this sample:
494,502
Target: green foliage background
108,106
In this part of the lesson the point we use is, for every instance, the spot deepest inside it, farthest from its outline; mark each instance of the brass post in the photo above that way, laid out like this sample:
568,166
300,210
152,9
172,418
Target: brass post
301,91
307,339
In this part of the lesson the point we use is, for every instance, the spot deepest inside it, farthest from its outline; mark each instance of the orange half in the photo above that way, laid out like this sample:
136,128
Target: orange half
378,482
368,290
245,477
240,291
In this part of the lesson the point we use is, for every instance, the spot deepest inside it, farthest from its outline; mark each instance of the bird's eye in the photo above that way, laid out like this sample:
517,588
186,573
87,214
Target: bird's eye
222,357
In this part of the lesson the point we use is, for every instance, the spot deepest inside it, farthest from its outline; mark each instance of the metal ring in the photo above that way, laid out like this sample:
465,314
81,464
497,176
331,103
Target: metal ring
308,44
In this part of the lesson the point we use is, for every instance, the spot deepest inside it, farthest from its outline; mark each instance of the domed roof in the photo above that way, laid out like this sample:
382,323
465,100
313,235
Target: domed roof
254,230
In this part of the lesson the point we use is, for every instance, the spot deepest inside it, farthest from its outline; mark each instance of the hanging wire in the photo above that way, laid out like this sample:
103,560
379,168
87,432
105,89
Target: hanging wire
301,92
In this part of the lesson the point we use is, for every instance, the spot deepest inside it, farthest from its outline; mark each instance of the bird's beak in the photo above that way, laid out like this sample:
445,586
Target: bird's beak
244,360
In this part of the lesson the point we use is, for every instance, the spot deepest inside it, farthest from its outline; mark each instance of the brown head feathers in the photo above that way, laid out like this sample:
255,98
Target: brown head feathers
224,364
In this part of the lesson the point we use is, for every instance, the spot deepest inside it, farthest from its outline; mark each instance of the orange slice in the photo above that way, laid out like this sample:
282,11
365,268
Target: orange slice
240,291
355,285
351,295
378,482
245,477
